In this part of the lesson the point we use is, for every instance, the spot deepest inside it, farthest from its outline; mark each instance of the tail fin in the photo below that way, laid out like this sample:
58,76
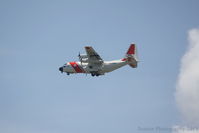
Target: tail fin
131,56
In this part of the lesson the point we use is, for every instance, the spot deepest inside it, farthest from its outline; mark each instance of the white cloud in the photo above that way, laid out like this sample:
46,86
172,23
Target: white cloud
187,90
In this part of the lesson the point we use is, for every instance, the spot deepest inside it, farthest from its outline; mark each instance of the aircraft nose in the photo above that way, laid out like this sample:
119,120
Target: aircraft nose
61,69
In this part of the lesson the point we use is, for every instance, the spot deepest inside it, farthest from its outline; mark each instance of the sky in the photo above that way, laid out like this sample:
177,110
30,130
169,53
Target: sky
39,36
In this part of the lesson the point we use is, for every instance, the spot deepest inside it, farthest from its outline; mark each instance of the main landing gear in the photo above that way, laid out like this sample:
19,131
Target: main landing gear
95,74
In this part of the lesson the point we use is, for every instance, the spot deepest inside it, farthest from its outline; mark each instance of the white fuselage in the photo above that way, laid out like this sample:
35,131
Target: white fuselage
107,66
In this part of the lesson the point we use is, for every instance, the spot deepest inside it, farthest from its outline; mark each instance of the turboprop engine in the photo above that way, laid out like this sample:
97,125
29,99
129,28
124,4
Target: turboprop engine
83,58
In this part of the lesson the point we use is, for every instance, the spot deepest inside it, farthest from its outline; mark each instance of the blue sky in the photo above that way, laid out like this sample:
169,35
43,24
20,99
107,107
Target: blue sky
37,37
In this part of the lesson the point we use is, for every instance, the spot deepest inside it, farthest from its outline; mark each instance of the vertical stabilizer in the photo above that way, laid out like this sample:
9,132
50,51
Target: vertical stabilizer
131,56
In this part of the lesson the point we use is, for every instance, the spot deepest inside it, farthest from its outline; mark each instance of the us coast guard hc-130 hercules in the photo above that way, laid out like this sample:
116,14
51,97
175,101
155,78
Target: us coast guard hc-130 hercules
92,63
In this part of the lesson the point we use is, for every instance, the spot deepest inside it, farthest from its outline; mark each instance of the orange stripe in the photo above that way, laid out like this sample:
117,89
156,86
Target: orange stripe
76,67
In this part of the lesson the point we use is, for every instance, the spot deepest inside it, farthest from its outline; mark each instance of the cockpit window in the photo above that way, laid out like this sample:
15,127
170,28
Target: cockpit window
65,65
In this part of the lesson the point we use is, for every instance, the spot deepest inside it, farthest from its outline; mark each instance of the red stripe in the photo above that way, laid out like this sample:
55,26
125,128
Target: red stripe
131,50
124,59
76,67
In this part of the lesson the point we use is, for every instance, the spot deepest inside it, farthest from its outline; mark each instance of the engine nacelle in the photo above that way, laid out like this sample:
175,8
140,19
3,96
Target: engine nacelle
83,58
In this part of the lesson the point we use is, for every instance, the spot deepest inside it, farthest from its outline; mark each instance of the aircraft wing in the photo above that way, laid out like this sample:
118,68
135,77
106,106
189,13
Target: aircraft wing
93,56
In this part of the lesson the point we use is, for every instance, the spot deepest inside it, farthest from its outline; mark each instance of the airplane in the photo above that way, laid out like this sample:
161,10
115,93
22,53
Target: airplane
92,63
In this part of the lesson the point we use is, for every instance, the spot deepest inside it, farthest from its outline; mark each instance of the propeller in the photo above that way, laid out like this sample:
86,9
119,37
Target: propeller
80,58
79,55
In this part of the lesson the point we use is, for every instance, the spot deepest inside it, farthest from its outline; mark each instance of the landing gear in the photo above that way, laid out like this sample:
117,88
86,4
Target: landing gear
94,74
